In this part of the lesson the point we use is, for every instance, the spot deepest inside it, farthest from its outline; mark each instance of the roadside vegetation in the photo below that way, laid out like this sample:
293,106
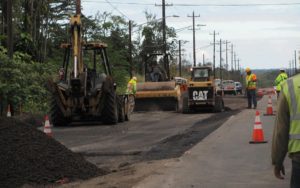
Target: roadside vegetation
31,55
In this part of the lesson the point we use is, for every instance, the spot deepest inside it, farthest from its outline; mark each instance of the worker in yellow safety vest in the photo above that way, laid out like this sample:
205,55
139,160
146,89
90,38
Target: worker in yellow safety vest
131,86
279,80
286,134
251,88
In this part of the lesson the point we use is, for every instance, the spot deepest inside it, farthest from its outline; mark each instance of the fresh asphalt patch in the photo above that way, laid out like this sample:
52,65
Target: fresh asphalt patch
175,146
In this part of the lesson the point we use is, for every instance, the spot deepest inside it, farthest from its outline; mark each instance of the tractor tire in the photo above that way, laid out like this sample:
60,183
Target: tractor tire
121,109
219,104
110,103
127,108
56,116
185,103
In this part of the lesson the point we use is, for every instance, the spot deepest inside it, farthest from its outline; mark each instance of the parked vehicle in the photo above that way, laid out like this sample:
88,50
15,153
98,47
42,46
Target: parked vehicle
218,86
239,87
229,87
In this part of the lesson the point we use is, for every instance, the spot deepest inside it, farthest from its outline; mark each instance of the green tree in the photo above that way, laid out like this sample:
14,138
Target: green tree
153,42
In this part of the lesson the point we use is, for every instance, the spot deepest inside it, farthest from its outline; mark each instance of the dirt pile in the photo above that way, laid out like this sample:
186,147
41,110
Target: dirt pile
36,120
28,156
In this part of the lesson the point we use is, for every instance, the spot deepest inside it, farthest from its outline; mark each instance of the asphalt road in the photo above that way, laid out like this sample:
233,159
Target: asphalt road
147,136
134,150
225,159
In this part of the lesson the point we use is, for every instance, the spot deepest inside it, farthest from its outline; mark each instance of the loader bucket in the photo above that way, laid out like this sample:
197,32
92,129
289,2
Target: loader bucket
152,96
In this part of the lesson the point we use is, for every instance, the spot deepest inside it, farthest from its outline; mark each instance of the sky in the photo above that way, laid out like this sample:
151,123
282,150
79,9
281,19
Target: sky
263,37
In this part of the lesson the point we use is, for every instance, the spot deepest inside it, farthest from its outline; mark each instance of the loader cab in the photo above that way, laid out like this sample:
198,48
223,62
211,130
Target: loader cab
93,69
201,74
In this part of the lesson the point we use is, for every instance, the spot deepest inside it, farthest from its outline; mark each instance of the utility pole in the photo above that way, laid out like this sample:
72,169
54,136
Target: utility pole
226,66
295,53
239,68
226,50
290,68
166,61
9,30
221,59
194,38
234,61
293,67
231,57
130,50
203,59
180,58
214,56
240,76
221,76
165,55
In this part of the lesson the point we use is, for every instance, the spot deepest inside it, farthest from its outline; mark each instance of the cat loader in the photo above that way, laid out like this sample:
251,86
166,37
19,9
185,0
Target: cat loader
201,92
85,89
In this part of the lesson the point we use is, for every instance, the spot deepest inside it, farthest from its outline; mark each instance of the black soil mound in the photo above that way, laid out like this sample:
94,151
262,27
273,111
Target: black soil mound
35,120
28,156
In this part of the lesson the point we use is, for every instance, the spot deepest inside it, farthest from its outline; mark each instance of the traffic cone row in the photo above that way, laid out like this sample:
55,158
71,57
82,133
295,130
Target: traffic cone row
269,111
47,127
258,133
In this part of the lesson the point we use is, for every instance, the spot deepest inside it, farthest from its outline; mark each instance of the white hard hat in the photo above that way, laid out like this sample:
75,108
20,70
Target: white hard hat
134,78
282,69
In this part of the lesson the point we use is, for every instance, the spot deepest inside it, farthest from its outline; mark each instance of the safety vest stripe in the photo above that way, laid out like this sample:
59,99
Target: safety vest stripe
294,136
294,115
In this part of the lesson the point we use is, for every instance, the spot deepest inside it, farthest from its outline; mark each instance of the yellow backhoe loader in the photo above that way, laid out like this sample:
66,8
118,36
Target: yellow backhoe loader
85,90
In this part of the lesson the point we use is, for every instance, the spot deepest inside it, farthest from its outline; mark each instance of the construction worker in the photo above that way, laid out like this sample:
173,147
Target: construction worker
251,88
286,135
279,80
131,90
131,86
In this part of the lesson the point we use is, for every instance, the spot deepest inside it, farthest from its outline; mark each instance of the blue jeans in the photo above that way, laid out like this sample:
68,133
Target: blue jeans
251,95
295,179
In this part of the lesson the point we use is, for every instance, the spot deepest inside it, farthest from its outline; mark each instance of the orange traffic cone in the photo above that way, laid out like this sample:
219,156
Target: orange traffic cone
8,111
258,133
269,111
47,127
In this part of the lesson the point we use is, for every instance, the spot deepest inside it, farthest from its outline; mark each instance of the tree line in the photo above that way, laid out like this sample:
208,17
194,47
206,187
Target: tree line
31,32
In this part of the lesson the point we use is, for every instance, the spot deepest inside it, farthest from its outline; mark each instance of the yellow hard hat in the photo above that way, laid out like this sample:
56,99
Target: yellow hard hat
134,78
247,69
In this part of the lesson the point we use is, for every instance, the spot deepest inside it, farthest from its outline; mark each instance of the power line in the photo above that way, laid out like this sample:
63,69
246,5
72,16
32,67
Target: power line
199,5
115,8
239,5
115,2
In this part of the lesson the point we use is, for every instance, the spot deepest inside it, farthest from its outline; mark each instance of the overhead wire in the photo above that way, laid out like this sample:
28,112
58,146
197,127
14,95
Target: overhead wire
196,4
115,8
